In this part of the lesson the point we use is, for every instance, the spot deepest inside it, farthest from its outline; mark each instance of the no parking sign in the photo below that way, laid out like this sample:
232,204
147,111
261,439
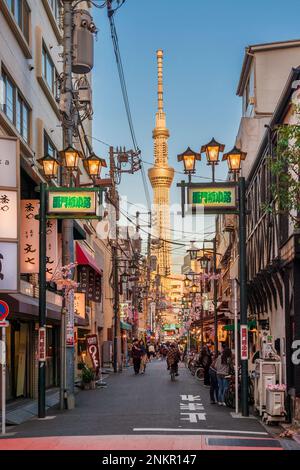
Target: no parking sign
4,311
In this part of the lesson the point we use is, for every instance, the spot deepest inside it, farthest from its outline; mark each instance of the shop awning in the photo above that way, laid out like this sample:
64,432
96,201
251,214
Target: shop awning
28,307
84,258
125,326
251,324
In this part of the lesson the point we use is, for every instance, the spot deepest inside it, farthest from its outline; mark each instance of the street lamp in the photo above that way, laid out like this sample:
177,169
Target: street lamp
189,158
50,166
93,165
212,150
193,251
234,158
204,260
194,289
187,282
70,158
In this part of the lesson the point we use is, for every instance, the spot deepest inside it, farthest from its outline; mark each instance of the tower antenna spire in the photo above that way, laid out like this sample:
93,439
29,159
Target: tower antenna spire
160,89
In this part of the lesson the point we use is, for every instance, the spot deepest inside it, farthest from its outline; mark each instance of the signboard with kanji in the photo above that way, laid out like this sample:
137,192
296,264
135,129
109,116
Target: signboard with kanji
9,214
9,203
72,202
9,274
244,343
42,345
29,243
9,162
213,198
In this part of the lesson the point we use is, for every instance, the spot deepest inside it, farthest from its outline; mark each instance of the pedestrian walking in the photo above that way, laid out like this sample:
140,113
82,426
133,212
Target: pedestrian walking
144,357
223,367
151,349
136,356
173,358
205,361
214,388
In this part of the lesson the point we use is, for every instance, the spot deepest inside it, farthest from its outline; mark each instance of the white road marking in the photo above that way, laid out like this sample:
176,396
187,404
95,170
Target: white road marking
190,397
193,417
192,406
223,431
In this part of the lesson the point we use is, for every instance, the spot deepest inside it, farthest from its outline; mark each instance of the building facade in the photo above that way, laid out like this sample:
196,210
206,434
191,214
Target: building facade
266,85
31,66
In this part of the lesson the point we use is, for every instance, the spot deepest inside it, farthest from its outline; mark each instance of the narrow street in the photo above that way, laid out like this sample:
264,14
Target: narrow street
176,414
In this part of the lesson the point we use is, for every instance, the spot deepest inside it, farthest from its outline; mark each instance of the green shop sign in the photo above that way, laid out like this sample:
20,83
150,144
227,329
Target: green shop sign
72,202
213,197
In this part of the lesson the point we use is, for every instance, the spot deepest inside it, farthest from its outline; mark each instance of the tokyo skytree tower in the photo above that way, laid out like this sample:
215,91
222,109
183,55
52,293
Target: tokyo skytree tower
161,178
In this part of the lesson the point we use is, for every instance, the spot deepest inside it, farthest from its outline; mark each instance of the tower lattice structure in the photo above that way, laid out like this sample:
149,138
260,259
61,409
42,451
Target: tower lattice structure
161,176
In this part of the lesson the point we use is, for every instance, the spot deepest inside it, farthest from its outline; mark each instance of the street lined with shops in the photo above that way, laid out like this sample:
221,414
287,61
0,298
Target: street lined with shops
148,405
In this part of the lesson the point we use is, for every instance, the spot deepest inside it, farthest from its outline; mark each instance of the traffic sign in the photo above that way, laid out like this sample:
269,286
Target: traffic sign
4,310
4,324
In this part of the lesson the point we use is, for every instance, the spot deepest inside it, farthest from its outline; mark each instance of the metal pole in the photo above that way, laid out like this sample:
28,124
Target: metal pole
4,382
116,306
62,359
243,290
215,295
67,225
236,348
42,299
213,172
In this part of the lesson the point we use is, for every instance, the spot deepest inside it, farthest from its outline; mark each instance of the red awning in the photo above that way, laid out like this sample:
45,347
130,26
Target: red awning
84,258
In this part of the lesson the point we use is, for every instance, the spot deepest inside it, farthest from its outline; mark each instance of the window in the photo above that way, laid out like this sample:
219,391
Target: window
21,12
15,107
49,72
49,148
55,7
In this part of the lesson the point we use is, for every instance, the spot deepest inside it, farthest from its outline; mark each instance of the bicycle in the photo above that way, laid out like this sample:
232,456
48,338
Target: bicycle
173,372
199,373
229,397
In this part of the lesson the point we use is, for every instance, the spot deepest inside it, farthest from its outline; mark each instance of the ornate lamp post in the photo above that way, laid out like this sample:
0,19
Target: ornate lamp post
50,166
234,159
189,158
213,150
93,165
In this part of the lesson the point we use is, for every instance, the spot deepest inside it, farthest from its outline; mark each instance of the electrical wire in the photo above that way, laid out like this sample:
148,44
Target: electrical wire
118,57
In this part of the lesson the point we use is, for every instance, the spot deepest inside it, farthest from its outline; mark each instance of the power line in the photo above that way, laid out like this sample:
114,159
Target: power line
118,57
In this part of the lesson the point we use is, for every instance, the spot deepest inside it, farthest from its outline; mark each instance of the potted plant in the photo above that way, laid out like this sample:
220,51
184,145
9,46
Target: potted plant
87,376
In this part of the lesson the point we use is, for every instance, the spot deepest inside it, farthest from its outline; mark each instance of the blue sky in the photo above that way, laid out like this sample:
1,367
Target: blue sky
204,44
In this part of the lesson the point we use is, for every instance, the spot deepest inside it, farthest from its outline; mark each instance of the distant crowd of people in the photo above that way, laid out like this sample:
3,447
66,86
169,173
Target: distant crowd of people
217,367
141,353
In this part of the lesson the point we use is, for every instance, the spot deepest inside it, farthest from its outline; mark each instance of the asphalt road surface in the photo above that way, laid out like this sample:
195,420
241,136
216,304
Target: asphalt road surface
146,411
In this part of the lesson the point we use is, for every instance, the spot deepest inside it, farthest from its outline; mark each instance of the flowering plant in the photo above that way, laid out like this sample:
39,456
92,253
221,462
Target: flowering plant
276,388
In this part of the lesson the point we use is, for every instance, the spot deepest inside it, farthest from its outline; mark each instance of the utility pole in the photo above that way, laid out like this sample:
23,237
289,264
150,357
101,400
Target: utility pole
243,291
67,224
42,302
113,197
215,292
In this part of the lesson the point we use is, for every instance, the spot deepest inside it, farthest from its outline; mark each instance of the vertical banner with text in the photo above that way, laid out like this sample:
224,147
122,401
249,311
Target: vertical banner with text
9,214
70,337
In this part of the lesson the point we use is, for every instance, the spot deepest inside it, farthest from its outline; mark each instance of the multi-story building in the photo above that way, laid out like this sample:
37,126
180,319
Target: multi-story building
31,67
266,86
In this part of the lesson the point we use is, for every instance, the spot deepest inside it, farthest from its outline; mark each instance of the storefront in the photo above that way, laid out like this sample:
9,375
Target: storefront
21,346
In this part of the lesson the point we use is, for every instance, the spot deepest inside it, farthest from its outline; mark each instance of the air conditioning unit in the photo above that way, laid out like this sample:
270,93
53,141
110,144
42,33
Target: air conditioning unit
229,223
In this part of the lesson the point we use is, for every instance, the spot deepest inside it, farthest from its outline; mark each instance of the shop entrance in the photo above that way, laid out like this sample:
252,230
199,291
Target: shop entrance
18,360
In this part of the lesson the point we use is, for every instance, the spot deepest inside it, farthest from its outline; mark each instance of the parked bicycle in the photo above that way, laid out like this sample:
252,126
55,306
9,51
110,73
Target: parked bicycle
230,392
